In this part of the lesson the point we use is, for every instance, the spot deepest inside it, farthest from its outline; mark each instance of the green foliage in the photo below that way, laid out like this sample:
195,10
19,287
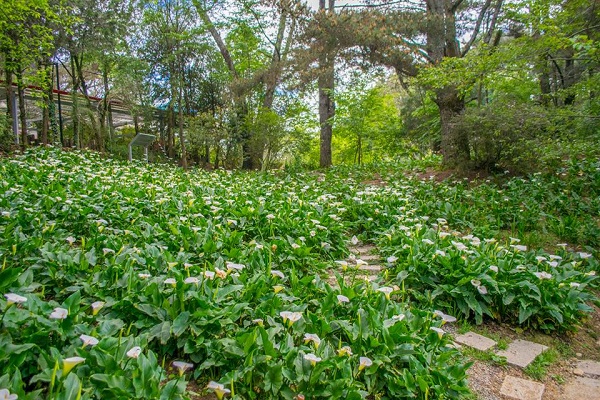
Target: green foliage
538,368
200,267
6,133
506,135
366,125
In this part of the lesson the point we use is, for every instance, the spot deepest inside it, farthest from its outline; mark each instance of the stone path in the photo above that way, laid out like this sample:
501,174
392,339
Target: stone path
521,353
586,386
365,264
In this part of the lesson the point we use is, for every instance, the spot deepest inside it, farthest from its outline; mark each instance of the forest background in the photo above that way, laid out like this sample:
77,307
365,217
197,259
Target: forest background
260,84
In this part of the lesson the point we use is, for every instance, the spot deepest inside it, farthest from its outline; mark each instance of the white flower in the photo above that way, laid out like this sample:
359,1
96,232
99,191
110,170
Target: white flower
233,266
270,217
12,298
540,258
585,255
220,273
88,340
59,313
553,264
71,239
343,299
97,306
386,290
5,395
364,362
493,268
170,281
475,282
439,331
69,363
295,246
427,241
144,276
543,275
591,273
312,358
354,240
192,280
482,289
310,337
563,245
445,317
514,240
343,264
218,388
182,366
258,321
574,284
519,247
277,273
346,350
555,257
290,316
209,274
440,253
460,246
392,259
360,262
443,234
134,352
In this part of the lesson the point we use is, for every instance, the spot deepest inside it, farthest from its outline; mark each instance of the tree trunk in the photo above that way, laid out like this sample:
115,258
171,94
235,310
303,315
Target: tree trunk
103,110
48,99
97,131
9,98
22,111
326,104
170,132
181,134
455,142
75,105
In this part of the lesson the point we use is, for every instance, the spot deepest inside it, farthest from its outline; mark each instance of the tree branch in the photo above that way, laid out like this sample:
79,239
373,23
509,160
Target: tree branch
217,38
477,27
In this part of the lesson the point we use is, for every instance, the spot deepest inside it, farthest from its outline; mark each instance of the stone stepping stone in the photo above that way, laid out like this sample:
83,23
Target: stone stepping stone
588,367
369,278
369,257
475,341
514,388
581,389
522,352
372,269
362,249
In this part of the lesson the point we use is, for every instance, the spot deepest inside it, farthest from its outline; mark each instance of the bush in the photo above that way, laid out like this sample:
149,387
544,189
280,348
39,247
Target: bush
506,134
483,278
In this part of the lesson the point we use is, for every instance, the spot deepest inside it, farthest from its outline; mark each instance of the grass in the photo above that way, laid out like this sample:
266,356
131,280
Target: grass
502,344
538,369
485,356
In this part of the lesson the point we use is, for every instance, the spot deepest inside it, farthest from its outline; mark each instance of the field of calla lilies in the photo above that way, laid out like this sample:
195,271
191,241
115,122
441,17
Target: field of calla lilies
129,281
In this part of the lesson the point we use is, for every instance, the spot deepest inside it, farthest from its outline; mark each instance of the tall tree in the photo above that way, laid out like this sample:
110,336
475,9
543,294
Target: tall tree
326,84
262,74
25,38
